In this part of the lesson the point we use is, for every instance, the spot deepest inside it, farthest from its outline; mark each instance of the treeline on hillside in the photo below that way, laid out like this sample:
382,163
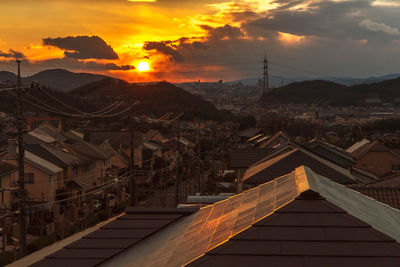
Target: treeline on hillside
155,98
385,125
273,123
333,94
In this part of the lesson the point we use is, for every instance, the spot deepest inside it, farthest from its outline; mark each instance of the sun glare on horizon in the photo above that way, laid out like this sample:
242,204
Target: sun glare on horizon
143,66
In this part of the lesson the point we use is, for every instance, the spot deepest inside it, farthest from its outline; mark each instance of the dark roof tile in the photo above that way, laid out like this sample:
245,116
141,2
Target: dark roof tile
103,243
83,253
67,262
293,160
385,194
307,232
126,231
244,157
134,224
120,233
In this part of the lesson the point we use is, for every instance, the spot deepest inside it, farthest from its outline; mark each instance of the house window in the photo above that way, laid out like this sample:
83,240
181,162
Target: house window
29,177
75,171
396,166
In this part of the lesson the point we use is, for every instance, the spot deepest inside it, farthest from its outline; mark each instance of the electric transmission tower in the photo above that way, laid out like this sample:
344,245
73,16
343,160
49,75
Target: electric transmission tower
266,76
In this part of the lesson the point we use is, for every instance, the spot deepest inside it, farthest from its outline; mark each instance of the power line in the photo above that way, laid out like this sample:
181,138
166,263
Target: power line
56,111
103,111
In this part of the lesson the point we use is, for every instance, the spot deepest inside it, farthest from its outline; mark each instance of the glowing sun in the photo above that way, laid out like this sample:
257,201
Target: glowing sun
143,66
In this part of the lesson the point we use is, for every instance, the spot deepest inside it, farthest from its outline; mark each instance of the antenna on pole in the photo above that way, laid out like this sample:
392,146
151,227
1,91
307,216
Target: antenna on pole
266,76
21,170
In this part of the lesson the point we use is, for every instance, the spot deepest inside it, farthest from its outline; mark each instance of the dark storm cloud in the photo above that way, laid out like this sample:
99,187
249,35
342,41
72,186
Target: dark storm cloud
70,64
12,54
165,49
348,19
81,65
223,32
339,38
83,47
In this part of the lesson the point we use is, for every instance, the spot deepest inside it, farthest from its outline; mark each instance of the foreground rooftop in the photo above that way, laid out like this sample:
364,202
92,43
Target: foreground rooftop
299,219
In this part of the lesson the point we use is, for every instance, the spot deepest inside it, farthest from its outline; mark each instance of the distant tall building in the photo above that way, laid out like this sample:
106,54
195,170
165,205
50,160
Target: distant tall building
266,76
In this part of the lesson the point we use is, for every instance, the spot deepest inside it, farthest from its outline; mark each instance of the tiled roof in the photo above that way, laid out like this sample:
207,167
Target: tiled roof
42,136
113,238
270,225
385,194
288,162
249,132
29,139
309,231
357,145
275,137
114,138
51,154
42,163
89,150
244,157
389,181
331,153
375,146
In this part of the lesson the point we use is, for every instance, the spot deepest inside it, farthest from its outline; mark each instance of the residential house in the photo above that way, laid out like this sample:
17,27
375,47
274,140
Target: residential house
8,176
117,144
340,157
376,158
42,178
3,143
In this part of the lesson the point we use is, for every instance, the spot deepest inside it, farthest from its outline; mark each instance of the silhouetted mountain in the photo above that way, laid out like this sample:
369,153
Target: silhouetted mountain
156,98
277,81
329,93
6,76
57,79
274,81
369,80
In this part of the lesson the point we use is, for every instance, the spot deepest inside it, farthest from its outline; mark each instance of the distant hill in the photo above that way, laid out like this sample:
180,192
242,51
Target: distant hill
329,93
6,76
156,98
276,81
57,79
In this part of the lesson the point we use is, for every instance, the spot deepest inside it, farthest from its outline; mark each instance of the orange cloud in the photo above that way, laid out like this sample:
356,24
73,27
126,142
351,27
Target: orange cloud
290,39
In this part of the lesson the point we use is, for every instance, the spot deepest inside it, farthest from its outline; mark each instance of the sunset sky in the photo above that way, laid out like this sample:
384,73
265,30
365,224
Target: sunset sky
184,40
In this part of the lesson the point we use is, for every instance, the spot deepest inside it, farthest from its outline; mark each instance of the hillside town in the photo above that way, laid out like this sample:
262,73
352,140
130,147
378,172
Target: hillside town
160,133
77,178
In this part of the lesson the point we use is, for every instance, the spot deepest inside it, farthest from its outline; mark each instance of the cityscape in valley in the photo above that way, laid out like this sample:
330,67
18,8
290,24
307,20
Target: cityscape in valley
232,133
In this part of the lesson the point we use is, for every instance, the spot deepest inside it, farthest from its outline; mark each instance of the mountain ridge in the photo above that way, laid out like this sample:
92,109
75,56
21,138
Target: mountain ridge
57,79
157,98
329,93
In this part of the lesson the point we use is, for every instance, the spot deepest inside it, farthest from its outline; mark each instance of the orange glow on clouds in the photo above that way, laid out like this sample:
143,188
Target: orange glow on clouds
290,39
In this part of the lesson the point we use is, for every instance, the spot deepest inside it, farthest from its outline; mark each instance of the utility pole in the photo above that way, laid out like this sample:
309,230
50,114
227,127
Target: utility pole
21,171
198,186
4,237
266,76
214,153
132,184
177,189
